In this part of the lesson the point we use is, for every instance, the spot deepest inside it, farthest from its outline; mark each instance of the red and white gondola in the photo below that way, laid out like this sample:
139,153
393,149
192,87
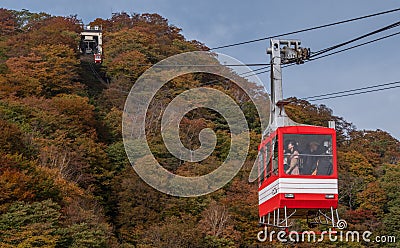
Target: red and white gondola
97,58
297,166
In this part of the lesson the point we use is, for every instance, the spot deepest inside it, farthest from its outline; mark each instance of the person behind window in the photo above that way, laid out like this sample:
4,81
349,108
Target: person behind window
324,165
311,159
293,159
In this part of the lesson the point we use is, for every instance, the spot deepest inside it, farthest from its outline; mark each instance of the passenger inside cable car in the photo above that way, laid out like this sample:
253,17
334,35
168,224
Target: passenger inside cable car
310,162
292,158
308,154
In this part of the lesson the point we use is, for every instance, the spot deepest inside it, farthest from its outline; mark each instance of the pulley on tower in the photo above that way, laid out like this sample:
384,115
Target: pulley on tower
291,52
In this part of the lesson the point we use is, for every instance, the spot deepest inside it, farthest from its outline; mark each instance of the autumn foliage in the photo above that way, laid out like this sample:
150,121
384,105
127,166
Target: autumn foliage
65,179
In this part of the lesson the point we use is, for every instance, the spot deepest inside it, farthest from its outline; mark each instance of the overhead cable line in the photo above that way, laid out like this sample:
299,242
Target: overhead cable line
340,45
359,93
355,46
252,71
265,65
205,65
262,72
308,29
353,92
347,91
257,73
396,24
332,53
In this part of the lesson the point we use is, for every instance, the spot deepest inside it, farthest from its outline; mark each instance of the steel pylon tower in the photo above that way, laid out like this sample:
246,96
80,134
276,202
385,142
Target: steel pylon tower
282,52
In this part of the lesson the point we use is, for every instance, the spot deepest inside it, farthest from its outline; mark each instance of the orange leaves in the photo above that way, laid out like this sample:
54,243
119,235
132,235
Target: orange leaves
77,109
100,22
373,198
24,75
14,185
42,60
157,25
46,71
11,138
8,22
45,31
21,180
59,73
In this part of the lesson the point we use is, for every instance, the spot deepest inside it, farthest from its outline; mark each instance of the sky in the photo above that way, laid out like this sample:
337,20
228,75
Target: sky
223,22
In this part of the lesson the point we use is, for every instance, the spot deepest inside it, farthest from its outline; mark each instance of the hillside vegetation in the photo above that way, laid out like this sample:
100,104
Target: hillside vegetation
65,180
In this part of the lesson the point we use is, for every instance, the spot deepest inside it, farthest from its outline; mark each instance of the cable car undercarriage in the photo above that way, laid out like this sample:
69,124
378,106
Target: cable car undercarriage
283,218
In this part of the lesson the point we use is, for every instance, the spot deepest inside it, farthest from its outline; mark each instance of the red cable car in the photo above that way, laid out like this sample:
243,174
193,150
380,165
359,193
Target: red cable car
297,167
97,58
307,188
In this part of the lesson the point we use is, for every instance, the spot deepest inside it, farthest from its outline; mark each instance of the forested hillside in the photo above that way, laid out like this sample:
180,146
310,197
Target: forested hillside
65,180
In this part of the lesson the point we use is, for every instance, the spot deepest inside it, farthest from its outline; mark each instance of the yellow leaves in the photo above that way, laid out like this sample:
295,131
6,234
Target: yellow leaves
125,40
68,188
113,121
183,83
57,55
356,164
131,64
377,146
47,240
61,118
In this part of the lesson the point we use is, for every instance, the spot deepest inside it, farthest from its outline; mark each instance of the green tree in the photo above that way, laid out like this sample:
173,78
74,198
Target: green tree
391,186
30,225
